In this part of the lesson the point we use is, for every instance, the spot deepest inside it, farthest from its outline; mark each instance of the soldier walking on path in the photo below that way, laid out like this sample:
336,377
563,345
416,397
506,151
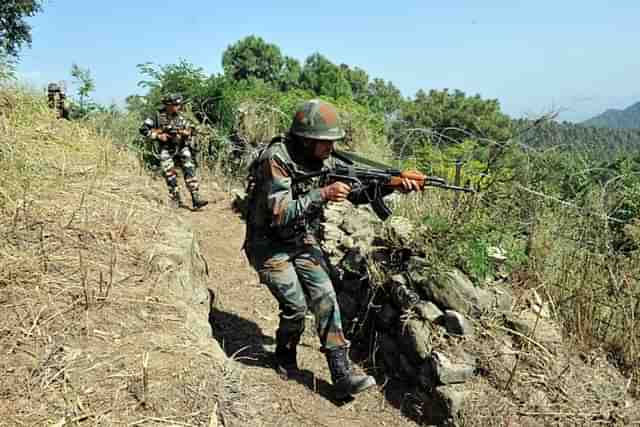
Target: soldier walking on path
175,138
283,217
57,100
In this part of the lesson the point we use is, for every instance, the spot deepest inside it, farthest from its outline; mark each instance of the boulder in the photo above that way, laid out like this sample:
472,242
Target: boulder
387,317
427,311
449,401
440,370
354,263
415,339
357,220
408,369
443,405
388,349
536,327
399,231
456,324
348,305
453,290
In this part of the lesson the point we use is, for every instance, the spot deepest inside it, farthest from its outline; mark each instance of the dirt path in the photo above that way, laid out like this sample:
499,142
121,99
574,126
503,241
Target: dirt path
245,320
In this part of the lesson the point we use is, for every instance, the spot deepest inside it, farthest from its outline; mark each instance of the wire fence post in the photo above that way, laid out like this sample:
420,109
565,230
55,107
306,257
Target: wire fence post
456,182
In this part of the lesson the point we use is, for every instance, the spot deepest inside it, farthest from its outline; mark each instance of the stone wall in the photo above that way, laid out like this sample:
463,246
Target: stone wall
421,315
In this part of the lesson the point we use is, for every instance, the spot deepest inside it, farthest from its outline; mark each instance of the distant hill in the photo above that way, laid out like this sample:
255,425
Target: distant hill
629,118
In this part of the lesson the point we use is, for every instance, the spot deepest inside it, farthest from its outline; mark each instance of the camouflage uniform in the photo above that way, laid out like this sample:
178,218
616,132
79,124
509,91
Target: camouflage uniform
282,220
178,146
56,99
281,245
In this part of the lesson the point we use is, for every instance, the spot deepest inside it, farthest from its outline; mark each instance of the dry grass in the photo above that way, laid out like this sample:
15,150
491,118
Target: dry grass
91,329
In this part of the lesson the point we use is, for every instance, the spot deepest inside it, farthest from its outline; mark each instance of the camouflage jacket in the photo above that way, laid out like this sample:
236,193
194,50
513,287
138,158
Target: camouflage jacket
165,122
281,211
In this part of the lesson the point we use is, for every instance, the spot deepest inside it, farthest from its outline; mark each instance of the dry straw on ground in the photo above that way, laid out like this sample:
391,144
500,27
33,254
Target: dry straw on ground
90,331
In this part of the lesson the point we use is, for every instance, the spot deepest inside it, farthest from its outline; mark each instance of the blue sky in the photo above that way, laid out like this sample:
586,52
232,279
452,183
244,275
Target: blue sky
578,57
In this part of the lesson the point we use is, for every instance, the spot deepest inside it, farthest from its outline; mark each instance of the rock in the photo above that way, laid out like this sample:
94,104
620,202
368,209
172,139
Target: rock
390,354
428,311
356,221
443,371
503,299
403,296
442,406
354,286
426,378
363,239
335,255
453,290
408,369
449,400
331,232
417,264
354,263
348,305
387,317
334,213
415,339
399,231
348,242
456,324
542,330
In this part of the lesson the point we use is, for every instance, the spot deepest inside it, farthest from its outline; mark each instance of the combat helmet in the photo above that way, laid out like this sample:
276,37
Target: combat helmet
53,87
317,119
172,99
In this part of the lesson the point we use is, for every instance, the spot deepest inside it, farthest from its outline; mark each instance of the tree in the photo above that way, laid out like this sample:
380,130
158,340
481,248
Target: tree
253,58
7,70
358,81
14,30
290,74
440,128
453,117
86,85
384,97
324,78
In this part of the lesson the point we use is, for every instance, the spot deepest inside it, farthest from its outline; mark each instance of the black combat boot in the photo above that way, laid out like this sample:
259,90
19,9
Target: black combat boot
286,355
198,202
345,382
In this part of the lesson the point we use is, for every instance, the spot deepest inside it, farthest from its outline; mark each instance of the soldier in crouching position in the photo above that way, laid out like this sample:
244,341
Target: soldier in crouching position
175,138
282,220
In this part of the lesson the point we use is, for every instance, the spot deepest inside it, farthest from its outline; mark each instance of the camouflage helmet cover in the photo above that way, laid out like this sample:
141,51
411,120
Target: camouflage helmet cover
172,99
317,119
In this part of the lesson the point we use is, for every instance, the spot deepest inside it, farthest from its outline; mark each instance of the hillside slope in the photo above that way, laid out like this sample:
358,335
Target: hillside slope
116,310
628,118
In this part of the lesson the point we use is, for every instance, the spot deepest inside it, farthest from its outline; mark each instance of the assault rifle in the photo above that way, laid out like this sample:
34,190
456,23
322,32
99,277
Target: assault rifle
174,132
186,135
375,179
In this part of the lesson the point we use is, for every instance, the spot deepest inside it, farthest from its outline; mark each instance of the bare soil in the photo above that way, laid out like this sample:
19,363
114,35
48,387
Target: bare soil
245,318
103,319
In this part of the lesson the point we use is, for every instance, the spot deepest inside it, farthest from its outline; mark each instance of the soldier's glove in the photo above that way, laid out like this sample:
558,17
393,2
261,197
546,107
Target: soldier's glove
336,192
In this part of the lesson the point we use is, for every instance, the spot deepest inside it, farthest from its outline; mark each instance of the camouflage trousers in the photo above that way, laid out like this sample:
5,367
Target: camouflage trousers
299,280
167,154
